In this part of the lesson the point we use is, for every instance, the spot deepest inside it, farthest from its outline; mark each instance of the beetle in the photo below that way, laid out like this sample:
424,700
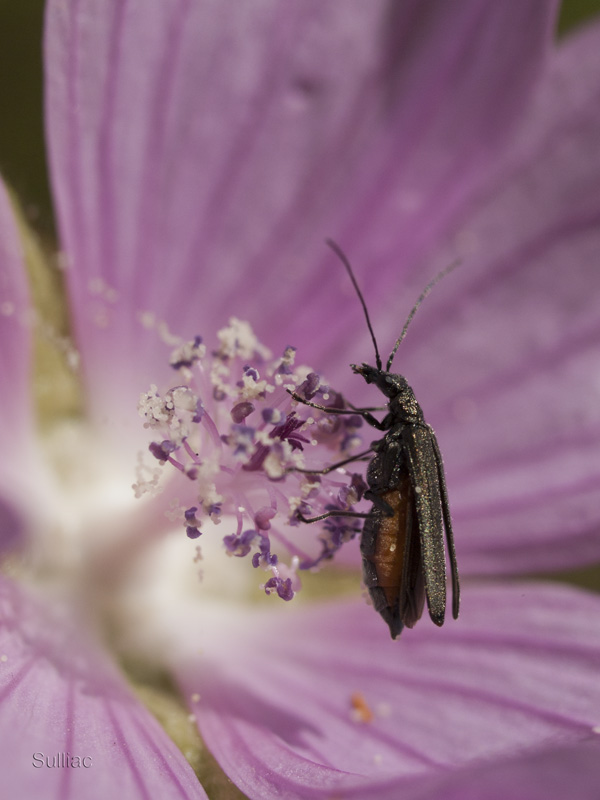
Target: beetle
402,540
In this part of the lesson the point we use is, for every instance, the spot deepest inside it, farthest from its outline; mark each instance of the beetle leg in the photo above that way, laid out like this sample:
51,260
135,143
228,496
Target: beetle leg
331,514
379,503
372,408
358,412
320,408
331,467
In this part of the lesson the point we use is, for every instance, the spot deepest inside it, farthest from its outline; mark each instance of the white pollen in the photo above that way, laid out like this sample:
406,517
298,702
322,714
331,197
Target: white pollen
73,358
170,339
101,318
418,489
3,658
147,319
195,697
98,287
238,339
95,285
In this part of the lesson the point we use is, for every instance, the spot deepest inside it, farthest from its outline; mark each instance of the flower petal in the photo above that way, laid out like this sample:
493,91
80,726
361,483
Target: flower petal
462,79
15,378
61,700
504,357
198,156
552,774
326,703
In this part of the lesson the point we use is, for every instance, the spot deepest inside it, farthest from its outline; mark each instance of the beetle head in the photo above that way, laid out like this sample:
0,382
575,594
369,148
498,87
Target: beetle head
387,382
370,374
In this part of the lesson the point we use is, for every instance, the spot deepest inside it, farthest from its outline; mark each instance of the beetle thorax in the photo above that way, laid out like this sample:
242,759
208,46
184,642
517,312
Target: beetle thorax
404,406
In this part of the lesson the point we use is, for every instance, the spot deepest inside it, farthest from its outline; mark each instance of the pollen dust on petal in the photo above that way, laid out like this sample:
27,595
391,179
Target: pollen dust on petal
359,708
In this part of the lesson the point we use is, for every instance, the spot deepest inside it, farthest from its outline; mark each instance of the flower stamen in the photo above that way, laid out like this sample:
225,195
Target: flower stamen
231,428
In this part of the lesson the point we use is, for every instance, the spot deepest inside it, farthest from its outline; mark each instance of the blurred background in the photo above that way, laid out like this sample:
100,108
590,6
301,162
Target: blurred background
22,155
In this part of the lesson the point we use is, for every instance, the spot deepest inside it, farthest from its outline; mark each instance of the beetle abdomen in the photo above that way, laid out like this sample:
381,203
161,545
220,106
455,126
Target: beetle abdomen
391,558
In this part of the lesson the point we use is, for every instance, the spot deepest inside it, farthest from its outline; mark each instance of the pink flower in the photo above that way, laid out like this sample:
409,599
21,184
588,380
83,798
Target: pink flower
200,154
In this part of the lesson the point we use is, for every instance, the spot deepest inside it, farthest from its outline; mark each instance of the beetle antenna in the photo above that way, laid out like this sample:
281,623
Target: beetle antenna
344,259
422,297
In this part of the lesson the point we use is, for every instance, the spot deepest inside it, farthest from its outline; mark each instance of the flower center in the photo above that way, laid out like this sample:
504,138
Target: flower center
247,456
